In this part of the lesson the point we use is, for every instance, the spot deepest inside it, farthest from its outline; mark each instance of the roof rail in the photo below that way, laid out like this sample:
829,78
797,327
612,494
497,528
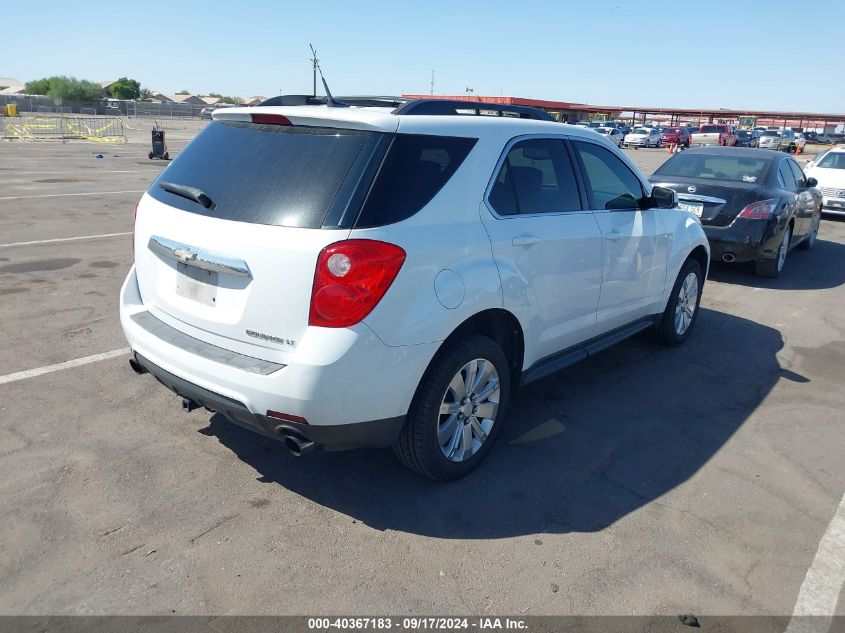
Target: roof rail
445,107
362,101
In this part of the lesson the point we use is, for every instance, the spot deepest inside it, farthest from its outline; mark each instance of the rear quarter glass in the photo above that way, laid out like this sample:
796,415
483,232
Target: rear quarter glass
267,174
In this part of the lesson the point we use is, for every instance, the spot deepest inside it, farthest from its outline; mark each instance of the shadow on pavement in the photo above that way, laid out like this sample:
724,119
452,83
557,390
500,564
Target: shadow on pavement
815,269
581,449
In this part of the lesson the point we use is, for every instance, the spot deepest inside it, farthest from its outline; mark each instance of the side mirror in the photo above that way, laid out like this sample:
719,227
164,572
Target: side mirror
663,198
812,182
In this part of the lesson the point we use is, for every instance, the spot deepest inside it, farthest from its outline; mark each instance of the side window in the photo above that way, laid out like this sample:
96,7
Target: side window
536,177
610,184
799,175
786,177
415,169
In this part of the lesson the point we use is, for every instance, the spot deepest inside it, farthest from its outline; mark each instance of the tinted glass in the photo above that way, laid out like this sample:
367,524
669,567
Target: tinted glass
536,177
771,133
712,128
832,160
415,168
610,184
786,176
799,175
264,174
717,167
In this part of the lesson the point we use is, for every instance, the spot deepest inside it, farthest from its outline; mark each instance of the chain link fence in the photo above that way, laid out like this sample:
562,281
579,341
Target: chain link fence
104,107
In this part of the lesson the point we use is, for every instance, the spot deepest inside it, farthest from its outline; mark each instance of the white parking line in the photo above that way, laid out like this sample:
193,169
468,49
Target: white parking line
65,239
823,583
40,371
59,195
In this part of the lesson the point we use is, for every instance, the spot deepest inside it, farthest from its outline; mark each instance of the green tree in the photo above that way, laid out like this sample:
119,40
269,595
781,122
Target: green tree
37,86
146,94
125,88
72,89
183,92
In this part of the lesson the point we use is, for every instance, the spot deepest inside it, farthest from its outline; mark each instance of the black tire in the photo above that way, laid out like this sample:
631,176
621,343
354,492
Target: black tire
166,156
664,330
772,267
418,447
150,155
810,241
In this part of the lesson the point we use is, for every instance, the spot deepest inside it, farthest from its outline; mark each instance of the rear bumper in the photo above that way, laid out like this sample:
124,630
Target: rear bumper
742,241
375,433
335,378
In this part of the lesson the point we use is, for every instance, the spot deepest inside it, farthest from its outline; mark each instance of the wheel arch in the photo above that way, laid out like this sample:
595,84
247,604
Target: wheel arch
501,326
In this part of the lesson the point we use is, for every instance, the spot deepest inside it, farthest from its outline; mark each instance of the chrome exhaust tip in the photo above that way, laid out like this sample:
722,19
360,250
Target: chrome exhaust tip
728,257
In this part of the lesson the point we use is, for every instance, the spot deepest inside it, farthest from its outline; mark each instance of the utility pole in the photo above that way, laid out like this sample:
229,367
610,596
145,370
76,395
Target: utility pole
432,83
314,62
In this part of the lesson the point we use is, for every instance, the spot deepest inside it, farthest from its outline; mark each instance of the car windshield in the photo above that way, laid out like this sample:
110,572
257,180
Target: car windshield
641,130
670,130
731,168
743,133
833,160
771,133
604,130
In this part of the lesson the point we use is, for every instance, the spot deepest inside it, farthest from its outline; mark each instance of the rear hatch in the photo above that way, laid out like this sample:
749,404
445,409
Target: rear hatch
227,238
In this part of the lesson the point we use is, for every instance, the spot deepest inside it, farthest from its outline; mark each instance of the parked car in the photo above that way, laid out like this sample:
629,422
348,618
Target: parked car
812,137
779,140
614,135
755,205
815,159
623,127
747,138
325,275
206,113
642,137
714,134
829,170
824,138
675,135
595,124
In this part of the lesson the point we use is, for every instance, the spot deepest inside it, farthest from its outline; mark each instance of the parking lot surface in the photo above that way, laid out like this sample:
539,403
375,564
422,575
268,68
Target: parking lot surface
646,480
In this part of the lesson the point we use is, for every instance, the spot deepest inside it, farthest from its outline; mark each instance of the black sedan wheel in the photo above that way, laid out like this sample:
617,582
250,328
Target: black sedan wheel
772,267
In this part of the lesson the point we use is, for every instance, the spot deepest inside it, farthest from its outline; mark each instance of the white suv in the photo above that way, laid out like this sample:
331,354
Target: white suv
370,276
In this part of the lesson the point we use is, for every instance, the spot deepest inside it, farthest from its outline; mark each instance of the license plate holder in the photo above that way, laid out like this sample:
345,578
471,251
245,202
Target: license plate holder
197,284
694,207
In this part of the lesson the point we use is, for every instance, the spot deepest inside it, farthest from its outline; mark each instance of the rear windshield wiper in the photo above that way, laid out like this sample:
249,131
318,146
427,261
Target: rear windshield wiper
191,193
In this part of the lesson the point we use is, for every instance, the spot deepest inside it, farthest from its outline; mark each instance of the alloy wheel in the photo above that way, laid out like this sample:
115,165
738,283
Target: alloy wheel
784,248
687,304
468,410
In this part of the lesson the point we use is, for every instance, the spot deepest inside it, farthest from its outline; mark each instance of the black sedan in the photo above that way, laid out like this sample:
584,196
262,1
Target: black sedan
754,204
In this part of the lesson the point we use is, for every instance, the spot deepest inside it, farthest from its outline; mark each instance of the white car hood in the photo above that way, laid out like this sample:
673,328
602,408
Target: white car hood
834,178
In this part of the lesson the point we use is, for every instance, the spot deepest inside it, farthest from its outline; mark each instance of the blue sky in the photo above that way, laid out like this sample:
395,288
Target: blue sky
755,54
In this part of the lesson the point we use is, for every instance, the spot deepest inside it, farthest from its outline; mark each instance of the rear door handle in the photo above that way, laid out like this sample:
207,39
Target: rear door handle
525,240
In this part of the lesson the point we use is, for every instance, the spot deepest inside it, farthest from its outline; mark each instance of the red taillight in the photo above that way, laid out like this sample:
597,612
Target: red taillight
270,119
351,278
759,210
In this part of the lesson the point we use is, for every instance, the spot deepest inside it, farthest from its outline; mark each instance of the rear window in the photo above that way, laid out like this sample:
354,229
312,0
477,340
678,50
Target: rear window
731,168
309,177
770,133
264,174
709,129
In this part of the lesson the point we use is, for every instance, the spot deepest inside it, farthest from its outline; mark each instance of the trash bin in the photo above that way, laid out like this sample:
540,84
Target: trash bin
11,109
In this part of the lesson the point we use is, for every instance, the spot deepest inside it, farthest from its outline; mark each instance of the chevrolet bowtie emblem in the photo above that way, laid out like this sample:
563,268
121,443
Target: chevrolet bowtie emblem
185,254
